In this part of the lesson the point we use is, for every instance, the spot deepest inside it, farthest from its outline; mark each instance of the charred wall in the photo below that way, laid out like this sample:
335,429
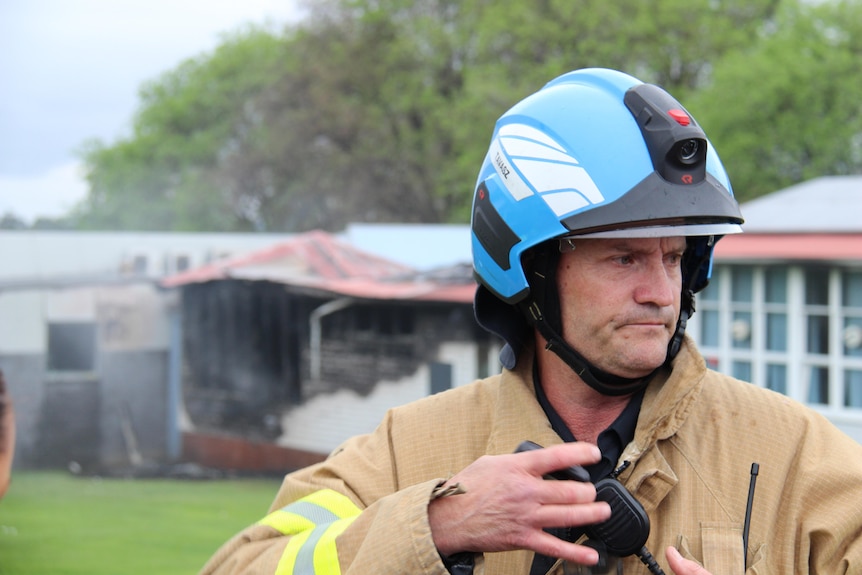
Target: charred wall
248,354
384,341
241,343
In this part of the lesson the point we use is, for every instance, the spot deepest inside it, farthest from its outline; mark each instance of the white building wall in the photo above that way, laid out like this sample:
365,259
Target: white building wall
22,327
463,358
28,255
324,422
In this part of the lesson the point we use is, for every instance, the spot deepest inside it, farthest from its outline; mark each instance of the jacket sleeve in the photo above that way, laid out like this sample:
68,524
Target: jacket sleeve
829,481
344,516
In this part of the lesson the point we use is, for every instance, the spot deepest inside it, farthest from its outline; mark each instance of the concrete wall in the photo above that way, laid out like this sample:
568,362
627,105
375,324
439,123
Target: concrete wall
134,407
92,419
113,413
25,378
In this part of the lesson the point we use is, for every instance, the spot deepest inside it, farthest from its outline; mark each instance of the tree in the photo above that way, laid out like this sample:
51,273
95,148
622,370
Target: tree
786,109
163,177
366,132
10,221
391,122
378,110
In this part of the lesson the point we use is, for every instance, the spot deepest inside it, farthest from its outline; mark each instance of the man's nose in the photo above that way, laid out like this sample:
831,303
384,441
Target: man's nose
658,284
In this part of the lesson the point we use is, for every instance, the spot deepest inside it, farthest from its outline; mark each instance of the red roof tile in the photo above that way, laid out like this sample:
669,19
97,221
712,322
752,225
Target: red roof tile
316,260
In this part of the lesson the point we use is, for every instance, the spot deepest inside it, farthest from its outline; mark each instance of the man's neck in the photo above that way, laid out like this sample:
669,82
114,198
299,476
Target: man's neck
585,411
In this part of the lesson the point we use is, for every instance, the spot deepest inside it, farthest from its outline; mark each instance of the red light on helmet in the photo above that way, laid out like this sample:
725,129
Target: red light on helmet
681,117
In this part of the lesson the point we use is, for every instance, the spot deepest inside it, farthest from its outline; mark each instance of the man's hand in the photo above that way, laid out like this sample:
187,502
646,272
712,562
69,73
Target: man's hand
682,566
507,504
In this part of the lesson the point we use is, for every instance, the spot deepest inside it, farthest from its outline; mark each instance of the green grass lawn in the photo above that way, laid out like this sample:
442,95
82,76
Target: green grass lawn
53,523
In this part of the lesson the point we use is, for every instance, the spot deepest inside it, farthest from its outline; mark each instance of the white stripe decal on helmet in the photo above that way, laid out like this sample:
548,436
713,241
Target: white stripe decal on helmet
529,133
545,164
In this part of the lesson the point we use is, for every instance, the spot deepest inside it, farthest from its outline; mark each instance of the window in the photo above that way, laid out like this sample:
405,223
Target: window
851,337
707,312
71,346
776,377
140,264
742,370
851,301
742,305
775,305
776,331
742,282
853,388
794,329
182,262
818,385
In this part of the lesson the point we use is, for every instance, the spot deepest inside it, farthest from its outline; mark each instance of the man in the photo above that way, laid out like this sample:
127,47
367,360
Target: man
594,220
7,436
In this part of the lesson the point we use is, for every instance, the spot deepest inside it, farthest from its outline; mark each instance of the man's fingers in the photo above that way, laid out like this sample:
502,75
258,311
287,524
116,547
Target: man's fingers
682,566
565,492
573,515
556,457
546,544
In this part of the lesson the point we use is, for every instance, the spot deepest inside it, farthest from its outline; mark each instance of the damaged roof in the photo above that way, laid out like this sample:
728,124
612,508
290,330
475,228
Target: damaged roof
317,260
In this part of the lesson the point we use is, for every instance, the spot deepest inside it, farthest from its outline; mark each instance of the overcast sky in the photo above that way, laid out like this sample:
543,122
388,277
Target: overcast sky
70,70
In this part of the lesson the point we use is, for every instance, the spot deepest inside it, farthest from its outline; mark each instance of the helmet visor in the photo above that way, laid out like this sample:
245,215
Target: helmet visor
718,229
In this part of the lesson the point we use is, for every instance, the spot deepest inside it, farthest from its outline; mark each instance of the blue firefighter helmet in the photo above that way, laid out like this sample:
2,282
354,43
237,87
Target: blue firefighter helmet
595,153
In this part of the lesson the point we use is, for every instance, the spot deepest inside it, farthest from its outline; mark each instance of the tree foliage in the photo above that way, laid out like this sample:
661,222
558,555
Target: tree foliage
787,109
381,110
165,176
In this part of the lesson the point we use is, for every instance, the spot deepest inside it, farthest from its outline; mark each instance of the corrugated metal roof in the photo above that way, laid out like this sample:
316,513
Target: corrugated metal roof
317,260
831,204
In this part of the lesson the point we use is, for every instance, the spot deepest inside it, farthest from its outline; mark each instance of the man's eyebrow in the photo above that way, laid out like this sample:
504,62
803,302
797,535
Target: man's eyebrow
622,244
629,246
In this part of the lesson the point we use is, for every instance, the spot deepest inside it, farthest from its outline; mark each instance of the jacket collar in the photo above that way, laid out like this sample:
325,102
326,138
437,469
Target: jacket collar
666,405
519,416
669,398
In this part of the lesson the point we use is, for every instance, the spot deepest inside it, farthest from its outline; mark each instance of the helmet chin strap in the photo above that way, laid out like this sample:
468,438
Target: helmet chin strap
601,381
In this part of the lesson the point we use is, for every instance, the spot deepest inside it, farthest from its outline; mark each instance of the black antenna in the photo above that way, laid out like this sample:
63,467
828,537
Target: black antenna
755,469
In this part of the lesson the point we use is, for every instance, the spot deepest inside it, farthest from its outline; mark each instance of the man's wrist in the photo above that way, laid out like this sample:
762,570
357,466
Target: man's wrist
438,519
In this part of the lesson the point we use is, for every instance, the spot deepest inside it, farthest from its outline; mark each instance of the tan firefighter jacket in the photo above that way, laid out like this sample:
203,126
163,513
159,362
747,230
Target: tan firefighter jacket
364,510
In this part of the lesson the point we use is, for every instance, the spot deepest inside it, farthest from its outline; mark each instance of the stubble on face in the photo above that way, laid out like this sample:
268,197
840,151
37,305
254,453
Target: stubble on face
620,300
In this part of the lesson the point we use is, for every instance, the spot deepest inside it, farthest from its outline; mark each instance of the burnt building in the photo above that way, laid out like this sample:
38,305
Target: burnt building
310,341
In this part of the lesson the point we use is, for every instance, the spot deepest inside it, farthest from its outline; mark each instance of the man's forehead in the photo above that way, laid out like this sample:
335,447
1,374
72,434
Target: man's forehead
674,242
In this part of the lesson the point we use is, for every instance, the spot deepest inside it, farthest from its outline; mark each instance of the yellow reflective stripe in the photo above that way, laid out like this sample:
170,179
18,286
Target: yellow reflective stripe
321,507
287,523
326,553
314,522
333,501
288,559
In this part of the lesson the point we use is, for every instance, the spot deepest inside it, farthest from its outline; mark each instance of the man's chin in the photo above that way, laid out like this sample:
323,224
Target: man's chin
636,365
